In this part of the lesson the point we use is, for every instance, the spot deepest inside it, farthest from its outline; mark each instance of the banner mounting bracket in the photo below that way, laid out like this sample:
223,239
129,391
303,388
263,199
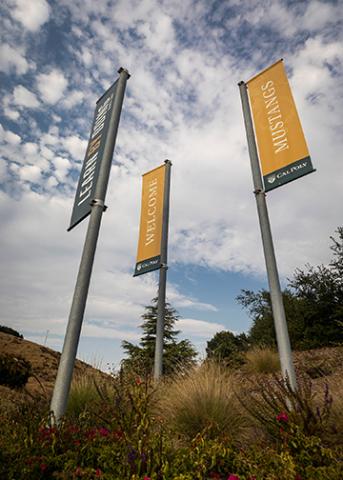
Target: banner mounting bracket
97,202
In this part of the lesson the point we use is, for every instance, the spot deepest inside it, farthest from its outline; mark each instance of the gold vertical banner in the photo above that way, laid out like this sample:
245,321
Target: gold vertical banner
150,231
283,152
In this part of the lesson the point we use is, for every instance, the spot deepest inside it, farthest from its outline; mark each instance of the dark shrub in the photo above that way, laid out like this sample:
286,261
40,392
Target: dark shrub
10,331
14,370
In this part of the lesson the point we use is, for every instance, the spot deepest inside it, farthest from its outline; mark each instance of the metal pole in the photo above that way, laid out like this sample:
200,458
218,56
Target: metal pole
279,316
66,366
161,302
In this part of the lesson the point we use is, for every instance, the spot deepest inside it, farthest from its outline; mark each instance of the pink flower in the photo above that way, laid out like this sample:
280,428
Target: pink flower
73,429
78,471
103,432
43,467
232,477
98,472
138,381
297,477
282,417
147,478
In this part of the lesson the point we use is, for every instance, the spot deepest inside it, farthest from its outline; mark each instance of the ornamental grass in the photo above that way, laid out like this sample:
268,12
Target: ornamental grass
203,400
262,360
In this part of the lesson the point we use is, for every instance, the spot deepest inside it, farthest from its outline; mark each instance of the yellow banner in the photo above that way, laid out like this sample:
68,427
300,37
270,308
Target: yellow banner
281,143
150,231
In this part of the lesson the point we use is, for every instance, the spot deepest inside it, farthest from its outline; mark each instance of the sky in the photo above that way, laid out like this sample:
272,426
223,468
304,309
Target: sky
182,103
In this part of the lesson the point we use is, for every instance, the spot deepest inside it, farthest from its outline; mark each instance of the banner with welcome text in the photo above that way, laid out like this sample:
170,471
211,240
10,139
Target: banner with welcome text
283,152
150,231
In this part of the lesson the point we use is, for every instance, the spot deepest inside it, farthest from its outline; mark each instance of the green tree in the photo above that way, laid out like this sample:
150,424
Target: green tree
227,347
320,291
262,332
313,305
177,355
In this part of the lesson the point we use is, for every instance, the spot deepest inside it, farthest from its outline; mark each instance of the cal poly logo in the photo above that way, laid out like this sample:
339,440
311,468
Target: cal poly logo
271,179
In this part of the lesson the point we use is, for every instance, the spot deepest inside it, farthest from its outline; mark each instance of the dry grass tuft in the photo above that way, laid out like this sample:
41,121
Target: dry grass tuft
83,394
262,360
203,401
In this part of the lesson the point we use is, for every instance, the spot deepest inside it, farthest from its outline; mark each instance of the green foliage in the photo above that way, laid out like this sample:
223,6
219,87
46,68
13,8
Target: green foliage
14,370
227,347
177,355
10,331
313,305
265,398
117,439
123,438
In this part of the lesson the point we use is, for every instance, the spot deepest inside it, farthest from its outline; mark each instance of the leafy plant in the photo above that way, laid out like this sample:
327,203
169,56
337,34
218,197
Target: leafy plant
228,348
123,437
265,398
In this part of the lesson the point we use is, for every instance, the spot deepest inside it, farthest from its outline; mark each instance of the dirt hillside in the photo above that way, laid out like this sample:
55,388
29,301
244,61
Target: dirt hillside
44,363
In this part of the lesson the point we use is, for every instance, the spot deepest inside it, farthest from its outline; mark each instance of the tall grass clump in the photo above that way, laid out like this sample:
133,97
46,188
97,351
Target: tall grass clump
335,429
203,401
262,360
84,394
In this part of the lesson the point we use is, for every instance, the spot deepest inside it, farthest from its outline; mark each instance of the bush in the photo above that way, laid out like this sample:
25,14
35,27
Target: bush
265,398
10,331
262,360
203,401
14,370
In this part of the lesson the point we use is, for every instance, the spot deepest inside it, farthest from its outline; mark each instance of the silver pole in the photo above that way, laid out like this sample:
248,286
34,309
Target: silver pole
161,302
66,366
279,316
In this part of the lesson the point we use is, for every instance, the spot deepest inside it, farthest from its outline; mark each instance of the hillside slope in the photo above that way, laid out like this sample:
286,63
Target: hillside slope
44,363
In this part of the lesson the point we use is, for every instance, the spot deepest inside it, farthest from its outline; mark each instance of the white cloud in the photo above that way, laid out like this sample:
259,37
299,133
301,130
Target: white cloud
25,98
199,328
51,85
9,137
3,169
182,103
11,114
30,173
12,59
73,98
75,146
320,14
158,33
51,182
30,148
31,13
62,166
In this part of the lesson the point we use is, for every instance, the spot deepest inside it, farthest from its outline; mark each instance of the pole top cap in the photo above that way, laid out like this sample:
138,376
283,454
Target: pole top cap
121,69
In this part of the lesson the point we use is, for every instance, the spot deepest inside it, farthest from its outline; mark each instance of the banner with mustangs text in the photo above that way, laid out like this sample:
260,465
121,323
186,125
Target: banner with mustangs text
283,152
